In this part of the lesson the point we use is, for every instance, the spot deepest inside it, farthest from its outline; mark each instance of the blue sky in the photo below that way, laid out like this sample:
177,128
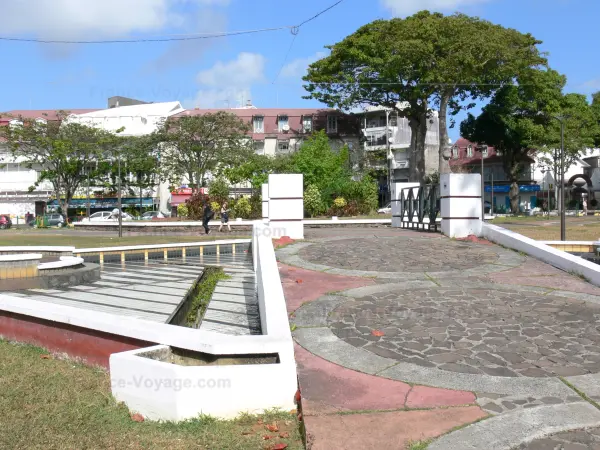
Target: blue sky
226,71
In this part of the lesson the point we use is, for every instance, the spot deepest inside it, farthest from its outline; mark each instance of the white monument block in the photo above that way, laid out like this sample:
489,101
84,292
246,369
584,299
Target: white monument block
460,208
286,205
395,200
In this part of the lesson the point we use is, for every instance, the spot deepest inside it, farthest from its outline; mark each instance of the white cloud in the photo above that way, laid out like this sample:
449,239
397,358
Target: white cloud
591,85
229,84
407,7
297,67
69,19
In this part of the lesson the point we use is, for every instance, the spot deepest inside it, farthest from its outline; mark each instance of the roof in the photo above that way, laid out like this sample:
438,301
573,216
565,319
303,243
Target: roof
49,114
250,112
162,109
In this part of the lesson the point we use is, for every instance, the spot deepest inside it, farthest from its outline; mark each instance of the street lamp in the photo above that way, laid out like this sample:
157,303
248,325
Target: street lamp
563,215
480,149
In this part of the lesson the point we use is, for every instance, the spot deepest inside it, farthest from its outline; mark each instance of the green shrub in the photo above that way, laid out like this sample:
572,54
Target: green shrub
242,208
218,190
313,203
216,207
195,205
182,210
255,207
340,202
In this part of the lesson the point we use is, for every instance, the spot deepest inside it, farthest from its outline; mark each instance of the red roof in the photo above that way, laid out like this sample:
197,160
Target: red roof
49,114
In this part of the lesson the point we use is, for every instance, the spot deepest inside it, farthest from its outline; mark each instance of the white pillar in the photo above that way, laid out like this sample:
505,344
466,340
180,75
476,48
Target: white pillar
395,199
265,202
286,205
461,204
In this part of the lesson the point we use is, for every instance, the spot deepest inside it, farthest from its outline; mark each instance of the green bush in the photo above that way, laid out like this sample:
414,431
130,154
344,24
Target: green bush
218,190
255,207
216,207
313,203
340,202
182,210
195,205
242,208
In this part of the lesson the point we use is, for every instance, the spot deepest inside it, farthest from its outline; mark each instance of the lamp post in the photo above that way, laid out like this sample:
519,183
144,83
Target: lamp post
480,149
563,215
543,171
119,204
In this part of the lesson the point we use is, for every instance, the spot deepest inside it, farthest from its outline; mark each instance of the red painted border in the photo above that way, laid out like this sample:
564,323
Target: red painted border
94,347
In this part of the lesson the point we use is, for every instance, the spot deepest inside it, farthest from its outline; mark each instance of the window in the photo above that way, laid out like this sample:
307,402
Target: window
455,152
307,124
393,120
470,151
332,124
282,122
283,147
259,147
484,151
259,124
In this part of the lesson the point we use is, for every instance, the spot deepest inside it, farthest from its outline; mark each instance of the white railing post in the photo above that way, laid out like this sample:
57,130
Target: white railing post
265,202
286,205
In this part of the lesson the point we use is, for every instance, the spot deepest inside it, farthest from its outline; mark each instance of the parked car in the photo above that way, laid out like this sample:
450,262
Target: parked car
387,209
50,220
5,222
149,215
97,217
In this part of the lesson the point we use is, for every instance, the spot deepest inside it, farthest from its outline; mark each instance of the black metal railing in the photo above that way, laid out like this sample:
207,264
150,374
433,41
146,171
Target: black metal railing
420,211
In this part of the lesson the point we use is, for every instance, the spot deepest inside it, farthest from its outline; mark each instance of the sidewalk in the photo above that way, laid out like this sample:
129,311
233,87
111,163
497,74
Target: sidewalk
402,337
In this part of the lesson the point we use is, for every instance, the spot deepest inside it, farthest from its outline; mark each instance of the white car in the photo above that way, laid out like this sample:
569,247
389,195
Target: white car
387,209
103,216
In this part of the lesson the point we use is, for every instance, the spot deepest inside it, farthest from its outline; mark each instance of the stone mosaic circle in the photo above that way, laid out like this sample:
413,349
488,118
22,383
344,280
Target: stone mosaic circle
399,254
505,333
569,440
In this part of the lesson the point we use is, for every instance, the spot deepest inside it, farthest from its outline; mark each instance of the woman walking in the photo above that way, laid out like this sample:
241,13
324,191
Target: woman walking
208,214
225,217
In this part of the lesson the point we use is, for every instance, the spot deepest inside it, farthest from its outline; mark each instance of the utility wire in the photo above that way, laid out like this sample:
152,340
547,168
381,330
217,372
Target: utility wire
294,29
285,59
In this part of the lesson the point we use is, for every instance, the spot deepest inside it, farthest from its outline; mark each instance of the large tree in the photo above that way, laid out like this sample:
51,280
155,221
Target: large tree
199,145
64,152
412,64
596,112
520,120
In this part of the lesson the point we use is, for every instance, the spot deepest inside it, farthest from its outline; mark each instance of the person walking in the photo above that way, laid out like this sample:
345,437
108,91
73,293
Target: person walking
208,214
225,217
585,211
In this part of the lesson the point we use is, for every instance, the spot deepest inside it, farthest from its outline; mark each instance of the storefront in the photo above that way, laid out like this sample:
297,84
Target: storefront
528,198
78,206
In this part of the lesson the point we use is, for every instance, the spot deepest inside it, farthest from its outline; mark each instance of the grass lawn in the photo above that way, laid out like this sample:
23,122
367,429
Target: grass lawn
60,404
578,228
16,237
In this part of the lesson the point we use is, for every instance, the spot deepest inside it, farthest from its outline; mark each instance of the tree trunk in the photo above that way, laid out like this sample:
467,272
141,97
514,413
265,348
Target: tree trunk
418,128
444,164
514,195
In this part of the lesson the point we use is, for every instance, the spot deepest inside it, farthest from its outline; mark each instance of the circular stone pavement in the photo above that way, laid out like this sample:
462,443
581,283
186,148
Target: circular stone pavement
505,332
569,440
399,254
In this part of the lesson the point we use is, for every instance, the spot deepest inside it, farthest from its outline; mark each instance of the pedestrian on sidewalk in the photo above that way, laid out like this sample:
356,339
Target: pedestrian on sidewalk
585,207
224,217
207,216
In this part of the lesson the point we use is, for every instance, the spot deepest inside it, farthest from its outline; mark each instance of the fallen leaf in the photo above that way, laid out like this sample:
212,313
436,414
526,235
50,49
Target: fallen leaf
279,447
289,422
293,411
246,433
297,397
46,357
284,435
137,417
299,281
273,428
377,333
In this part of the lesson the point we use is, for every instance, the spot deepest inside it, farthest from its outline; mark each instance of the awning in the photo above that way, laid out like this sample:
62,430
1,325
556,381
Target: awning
107,202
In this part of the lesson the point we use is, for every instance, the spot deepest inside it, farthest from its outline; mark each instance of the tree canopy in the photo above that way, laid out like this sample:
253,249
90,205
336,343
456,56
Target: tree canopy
411,64
195,146
521,120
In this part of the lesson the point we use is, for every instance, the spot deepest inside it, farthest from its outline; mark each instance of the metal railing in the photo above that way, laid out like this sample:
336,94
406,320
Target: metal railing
420,210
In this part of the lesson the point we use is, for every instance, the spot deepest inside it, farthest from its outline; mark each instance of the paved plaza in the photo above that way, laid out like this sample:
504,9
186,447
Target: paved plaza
468,324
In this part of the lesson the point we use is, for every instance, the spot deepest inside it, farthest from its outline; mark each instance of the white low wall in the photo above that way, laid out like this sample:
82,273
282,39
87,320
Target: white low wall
221,391
557,258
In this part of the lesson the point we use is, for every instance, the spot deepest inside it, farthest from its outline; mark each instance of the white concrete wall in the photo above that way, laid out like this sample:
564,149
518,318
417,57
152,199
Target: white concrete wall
286,205
460,204
557,258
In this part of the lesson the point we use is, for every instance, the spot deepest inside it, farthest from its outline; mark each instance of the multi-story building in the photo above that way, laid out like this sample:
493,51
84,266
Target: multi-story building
384,131
468,156
16,178
276,131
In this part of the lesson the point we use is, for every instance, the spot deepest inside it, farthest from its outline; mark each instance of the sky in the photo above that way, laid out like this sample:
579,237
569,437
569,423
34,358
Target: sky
263,67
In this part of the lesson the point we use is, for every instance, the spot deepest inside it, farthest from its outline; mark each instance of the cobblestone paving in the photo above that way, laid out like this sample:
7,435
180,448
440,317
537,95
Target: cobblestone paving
570,440
506,332
399,254
497,404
